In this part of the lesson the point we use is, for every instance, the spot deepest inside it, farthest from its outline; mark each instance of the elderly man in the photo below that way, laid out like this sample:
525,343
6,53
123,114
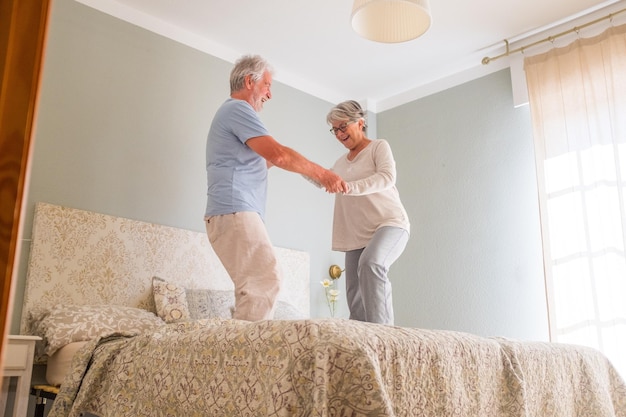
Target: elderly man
239,152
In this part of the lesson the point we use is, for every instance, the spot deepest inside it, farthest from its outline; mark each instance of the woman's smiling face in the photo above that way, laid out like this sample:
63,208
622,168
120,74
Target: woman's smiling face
349,133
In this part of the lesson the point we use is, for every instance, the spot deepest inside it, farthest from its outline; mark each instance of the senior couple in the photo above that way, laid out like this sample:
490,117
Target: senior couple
370,223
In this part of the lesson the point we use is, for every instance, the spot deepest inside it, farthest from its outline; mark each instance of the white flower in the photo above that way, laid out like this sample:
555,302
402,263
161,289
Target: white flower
332,295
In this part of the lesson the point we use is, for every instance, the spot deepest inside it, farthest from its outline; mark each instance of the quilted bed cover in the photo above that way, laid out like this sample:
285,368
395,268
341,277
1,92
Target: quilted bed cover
330,367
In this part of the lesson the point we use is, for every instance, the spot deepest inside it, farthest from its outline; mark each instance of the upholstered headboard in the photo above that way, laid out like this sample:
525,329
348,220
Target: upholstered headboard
87,258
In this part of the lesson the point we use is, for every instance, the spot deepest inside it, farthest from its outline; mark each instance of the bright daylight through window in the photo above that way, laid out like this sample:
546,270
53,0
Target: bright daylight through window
577,98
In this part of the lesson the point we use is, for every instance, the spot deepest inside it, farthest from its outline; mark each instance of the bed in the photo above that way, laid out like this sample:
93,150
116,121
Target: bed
148,306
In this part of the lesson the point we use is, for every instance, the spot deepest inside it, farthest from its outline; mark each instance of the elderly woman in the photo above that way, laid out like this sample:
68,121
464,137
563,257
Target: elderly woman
370,223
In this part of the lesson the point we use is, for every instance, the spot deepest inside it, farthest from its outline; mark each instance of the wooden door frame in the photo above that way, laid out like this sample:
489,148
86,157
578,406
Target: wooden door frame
22,44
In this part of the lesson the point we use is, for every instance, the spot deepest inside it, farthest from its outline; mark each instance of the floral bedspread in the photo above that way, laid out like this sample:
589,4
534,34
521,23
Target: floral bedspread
334,368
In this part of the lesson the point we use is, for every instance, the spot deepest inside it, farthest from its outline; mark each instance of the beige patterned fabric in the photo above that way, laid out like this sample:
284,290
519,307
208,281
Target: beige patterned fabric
229,368
85,258
64,324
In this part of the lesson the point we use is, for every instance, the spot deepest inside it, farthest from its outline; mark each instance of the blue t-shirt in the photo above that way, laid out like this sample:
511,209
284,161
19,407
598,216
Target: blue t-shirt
236,175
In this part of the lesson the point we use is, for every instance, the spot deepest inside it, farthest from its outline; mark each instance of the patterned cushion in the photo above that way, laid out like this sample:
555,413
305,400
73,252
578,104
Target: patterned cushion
65,324
170,301
196,304
285,311
209,304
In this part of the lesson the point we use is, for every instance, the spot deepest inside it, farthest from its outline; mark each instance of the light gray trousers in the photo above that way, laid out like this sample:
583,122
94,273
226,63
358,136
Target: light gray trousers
368,288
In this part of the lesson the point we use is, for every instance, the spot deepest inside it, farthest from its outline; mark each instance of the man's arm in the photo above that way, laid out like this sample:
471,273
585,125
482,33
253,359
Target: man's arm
290,160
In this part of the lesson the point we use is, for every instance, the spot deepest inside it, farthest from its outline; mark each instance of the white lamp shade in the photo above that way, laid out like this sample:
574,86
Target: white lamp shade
391,21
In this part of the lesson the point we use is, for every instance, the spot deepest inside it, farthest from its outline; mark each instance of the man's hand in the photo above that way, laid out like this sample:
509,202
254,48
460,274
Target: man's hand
332,182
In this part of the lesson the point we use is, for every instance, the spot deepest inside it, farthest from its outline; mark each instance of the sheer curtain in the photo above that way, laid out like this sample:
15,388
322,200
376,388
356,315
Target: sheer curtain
577,97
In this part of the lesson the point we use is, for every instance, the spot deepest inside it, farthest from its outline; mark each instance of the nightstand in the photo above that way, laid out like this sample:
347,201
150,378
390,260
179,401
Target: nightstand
18,363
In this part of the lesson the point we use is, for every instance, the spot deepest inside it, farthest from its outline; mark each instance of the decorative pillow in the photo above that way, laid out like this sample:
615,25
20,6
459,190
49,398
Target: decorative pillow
286,311
170,301
69,323
210,304
196,304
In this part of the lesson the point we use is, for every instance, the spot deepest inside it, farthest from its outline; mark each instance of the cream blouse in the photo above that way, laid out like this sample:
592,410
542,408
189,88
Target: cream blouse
372,201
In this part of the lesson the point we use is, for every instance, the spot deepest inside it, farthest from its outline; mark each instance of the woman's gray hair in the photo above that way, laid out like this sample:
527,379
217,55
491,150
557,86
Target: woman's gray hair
347,111
253,65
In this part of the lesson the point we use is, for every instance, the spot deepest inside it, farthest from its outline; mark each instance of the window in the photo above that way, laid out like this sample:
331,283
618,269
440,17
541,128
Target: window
578,102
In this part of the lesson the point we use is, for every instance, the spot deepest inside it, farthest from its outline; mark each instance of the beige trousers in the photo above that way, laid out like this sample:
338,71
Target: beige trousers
241,242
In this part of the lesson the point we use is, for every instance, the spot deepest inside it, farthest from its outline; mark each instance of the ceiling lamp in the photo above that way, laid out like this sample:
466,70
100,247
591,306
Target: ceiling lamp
390,21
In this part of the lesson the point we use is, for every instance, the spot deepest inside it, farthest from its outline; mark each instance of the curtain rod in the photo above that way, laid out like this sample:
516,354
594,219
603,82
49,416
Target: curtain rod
508,52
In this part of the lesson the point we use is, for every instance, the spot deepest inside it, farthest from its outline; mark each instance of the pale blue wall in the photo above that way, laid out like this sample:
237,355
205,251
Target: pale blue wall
466,173
122,126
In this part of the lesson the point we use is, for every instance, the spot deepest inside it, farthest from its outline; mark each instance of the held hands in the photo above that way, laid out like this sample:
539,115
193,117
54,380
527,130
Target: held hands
333,183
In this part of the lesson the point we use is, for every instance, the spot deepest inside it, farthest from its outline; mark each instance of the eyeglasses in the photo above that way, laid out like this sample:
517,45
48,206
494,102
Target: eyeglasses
342,128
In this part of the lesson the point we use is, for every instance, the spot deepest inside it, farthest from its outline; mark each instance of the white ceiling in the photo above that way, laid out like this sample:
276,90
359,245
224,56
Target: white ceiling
312,47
